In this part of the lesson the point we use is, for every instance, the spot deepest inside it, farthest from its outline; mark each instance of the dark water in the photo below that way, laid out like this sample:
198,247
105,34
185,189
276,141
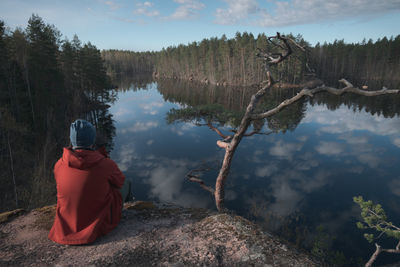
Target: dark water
297,182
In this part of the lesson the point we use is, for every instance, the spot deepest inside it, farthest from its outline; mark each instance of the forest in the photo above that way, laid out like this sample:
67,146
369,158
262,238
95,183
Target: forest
233,61
45,84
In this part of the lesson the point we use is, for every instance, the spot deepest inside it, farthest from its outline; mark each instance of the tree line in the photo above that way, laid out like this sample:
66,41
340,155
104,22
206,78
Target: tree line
45,84
373,64
234,62
215,60
128,62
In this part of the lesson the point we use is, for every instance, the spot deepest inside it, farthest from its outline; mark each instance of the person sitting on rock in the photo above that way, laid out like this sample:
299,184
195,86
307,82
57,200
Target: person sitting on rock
90,190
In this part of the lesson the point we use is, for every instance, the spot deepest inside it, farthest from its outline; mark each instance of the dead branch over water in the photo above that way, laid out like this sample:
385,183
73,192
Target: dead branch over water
270,58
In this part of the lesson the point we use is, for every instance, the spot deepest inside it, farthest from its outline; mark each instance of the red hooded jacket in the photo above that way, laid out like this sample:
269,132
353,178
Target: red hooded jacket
89,202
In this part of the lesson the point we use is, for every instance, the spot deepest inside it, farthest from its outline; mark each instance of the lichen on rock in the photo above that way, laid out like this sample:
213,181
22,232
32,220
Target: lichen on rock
151,234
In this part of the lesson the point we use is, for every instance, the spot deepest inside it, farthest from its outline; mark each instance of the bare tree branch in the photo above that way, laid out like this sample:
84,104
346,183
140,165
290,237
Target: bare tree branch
194,178
222,144
255,132
378,250
374,256
302,48
225,137
311,92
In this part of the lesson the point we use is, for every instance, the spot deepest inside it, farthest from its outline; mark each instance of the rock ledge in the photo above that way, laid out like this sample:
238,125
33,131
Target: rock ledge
150,235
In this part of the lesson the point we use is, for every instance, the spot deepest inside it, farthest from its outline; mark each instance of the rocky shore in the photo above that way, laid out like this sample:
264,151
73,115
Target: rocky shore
149,235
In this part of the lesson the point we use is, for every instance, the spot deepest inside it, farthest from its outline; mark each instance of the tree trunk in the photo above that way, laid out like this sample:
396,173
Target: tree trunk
12,170
226,165
28,84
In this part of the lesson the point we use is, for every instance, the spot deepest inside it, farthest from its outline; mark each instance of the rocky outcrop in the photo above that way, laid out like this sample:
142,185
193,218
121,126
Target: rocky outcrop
150,235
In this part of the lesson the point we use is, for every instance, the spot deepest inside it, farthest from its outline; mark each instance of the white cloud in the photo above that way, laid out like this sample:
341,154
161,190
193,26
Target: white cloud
145,9
112,5
237,10
148,4
329,148
282,13
285,150
187,9
314,11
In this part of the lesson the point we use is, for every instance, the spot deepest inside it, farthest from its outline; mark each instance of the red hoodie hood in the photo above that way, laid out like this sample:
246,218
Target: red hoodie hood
82,159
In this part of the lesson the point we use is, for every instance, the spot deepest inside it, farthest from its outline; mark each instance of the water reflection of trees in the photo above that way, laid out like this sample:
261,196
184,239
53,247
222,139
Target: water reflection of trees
385,105
225,106
125,82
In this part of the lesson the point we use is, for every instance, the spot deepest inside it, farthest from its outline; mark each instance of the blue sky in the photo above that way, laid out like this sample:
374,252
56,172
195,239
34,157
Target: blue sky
154,24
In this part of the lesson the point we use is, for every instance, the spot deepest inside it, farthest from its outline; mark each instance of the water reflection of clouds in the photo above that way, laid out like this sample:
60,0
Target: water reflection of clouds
305,172
132,104
126,156
288,188
305,162
166,179
344,120
150,142
152,108
353,140
286,199
181,128
267,170
394,186
330,148
139,126
396,141
121,112
356,147
284,149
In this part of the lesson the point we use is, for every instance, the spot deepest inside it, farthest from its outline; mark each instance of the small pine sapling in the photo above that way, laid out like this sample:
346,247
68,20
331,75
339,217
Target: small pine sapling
374,217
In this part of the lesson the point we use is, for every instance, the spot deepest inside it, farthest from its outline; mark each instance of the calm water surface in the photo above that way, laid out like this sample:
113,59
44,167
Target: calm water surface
298,183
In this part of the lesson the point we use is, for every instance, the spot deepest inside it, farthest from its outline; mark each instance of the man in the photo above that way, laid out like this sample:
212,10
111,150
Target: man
89,200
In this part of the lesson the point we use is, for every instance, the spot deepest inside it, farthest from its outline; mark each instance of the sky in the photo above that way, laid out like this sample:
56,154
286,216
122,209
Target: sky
155,24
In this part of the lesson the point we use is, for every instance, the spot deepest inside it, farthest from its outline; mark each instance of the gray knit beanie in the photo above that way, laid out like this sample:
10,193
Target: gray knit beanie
82,134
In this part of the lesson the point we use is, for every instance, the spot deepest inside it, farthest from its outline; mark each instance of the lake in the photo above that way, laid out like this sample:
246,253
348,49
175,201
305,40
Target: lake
297,180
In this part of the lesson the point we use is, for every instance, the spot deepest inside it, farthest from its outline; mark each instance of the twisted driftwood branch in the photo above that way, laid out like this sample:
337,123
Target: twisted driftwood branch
378,250
311,92
194,178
